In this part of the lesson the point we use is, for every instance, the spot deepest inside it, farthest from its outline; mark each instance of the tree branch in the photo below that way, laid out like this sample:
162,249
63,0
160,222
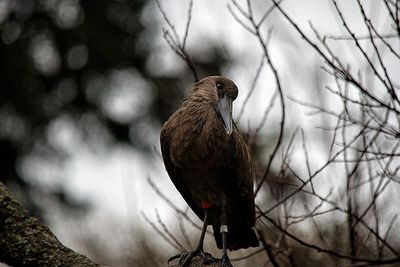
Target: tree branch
26,242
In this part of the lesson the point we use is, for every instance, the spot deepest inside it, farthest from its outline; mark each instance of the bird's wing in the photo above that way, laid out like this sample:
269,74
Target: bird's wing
175,173
244,170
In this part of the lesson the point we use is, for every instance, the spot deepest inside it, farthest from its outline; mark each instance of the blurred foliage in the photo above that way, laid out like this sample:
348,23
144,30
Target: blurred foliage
85,62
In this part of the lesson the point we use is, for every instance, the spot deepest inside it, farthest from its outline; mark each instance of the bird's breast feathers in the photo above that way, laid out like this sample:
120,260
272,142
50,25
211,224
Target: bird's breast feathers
196,135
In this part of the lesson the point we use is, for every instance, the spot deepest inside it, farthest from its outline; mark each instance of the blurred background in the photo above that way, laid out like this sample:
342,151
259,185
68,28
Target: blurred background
85,87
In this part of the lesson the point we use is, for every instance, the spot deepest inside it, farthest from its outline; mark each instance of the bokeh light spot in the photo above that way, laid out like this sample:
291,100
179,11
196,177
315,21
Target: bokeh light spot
77,57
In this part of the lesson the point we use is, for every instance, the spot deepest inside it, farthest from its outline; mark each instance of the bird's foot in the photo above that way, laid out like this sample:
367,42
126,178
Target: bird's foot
171,259
225,262
186,259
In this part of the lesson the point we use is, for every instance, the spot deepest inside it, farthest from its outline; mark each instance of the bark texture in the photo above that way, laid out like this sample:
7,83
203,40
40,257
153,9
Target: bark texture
198,261
26,242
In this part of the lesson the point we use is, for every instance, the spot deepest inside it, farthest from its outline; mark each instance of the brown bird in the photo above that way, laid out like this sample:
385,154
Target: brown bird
207,159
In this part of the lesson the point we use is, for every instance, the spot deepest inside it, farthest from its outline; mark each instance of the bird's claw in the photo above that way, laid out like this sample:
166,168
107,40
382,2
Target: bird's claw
173,258
187,258
225,262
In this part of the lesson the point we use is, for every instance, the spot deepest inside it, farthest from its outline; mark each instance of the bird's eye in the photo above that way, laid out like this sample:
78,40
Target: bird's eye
219,86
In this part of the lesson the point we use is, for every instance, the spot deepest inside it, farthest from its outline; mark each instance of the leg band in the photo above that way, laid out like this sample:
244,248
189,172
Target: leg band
223,229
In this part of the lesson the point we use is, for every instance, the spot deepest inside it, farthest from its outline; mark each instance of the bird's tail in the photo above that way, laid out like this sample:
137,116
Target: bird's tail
239,236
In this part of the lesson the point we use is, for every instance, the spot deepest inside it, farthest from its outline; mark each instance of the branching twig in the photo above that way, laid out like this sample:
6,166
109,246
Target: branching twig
174,41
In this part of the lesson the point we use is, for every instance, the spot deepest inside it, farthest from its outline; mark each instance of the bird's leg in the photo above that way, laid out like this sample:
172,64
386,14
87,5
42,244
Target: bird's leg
225,259
224,232
199,249
203,231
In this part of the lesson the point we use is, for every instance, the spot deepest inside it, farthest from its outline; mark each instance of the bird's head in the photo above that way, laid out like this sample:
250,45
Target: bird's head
224,92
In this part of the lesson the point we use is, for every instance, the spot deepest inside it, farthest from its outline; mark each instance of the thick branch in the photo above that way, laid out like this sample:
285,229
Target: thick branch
26,242
207,260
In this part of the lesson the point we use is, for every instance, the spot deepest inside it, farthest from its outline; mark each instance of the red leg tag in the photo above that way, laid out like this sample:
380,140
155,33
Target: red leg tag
205,204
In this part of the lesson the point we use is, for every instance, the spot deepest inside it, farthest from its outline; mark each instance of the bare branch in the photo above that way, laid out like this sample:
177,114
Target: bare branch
173,39
331,252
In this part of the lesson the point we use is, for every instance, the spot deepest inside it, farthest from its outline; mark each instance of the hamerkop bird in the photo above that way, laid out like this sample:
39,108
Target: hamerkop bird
207,159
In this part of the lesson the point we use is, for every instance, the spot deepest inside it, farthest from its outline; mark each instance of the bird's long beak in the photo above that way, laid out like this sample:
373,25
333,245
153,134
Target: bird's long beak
225,109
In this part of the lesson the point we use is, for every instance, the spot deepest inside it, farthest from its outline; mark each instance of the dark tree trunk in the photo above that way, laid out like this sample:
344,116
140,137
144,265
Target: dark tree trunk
26,242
